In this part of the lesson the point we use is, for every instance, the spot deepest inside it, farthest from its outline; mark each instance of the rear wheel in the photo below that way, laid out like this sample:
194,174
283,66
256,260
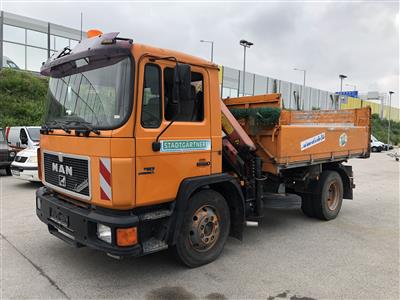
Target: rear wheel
374,149
307,205
205,229
324,198
329,199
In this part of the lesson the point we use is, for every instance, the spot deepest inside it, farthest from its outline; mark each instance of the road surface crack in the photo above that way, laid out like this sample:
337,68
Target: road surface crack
39,269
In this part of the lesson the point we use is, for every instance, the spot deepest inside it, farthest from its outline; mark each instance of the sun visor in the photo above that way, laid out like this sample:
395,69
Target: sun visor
88,54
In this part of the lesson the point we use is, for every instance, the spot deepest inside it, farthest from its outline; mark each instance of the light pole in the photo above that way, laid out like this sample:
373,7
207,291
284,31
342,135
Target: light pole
245,44
212,48
390,108
304,82
341,76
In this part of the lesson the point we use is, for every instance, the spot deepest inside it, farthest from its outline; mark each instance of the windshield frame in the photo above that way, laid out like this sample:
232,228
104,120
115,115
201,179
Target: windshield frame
64,122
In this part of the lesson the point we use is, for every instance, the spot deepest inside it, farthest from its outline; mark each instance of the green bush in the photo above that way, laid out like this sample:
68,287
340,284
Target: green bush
380,130
263,116
22,98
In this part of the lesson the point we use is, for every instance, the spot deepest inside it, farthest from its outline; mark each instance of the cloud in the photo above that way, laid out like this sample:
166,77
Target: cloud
359,39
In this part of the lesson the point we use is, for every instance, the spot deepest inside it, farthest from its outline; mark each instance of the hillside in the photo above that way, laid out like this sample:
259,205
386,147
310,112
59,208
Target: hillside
22,102
22,98
380,130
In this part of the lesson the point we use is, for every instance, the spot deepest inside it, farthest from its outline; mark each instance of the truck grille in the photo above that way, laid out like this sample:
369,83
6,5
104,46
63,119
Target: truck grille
67,172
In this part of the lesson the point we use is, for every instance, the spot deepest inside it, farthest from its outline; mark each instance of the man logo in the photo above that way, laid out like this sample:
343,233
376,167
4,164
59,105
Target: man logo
62,180
67,170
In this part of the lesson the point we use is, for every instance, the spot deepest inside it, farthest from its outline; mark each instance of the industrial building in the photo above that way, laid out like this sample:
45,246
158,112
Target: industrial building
25,43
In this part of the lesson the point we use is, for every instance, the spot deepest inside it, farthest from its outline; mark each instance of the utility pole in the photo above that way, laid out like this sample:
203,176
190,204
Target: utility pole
81,25
304,83
245,44
390,108
341,76
212,48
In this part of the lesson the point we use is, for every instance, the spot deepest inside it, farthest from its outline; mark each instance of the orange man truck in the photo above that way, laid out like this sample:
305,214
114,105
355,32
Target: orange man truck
138,153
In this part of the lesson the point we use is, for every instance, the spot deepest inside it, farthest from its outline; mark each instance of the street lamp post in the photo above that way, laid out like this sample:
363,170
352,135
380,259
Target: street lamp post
245,44
212,48
390,108
304,82
341,76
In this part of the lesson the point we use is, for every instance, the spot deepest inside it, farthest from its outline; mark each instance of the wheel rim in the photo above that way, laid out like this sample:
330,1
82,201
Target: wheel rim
205,230
333,195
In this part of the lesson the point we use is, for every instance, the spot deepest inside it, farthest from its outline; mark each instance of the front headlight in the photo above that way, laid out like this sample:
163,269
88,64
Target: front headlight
104,233
11,154
33,159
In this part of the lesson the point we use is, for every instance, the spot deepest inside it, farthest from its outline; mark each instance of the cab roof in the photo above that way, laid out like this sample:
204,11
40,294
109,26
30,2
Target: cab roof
140,49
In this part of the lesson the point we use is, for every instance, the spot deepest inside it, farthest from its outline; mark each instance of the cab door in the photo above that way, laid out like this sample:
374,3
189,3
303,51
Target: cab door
185,146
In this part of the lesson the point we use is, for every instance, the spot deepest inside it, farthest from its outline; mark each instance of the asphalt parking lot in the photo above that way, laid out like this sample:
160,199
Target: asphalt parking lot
289,256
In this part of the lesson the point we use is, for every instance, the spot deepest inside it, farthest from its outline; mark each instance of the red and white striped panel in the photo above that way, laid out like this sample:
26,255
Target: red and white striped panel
105,178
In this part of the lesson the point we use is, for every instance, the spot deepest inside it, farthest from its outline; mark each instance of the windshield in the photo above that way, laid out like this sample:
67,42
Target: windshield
373,138
1,135
99,97
34,133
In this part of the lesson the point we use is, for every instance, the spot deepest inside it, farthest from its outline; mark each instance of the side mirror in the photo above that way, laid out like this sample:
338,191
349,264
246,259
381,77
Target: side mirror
182,80
23,138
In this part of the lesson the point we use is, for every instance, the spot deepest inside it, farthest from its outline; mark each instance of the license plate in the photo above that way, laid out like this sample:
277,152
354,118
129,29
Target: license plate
58,217
15,172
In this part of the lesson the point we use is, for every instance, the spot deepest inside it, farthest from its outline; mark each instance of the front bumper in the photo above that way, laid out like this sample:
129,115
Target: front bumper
78,225
24,172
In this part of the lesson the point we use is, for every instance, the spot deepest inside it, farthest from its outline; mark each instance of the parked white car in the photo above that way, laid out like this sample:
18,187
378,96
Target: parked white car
376,146
25,165
21,137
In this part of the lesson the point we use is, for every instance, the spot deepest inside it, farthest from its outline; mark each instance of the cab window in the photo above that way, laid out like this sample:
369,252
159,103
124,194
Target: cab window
191,110
151,103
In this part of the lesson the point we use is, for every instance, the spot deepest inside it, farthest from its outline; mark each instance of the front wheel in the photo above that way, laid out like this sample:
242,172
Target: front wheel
205,229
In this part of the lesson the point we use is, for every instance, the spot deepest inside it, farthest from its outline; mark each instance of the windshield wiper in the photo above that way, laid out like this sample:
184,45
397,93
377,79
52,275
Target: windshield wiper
57,123
88,128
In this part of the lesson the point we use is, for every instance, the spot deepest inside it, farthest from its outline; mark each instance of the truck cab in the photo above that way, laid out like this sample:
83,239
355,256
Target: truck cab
126,126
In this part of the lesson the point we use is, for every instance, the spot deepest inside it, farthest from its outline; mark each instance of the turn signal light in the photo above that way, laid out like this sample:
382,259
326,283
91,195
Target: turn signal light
126,236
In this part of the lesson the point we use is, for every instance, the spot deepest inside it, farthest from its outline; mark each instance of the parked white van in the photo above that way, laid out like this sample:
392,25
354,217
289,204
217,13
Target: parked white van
25,165
21,137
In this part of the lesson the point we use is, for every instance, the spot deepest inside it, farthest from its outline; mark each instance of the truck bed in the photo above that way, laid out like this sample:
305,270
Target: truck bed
305,137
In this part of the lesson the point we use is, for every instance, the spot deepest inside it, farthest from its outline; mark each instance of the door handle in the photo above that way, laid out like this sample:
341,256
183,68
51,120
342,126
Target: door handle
203,163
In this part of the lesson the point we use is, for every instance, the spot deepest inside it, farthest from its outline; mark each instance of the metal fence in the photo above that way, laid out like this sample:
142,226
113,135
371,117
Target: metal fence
294,96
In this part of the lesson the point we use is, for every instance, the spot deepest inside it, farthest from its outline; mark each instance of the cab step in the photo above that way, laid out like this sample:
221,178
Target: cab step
153,245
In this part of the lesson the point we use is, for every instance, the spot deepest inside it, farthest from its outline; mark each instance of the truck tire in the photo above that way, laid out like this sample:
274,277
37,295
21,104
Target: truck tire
328,200
307,205
307,199
205,229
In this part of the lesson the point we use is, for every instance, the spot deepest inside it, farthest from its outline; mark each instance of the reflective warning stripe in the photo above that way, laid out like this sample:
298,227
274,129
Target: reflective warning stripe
105,178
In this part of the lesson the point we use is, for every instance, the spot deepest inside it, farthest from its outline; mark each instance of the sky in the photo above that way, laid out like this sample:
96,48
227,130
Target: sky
326,38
